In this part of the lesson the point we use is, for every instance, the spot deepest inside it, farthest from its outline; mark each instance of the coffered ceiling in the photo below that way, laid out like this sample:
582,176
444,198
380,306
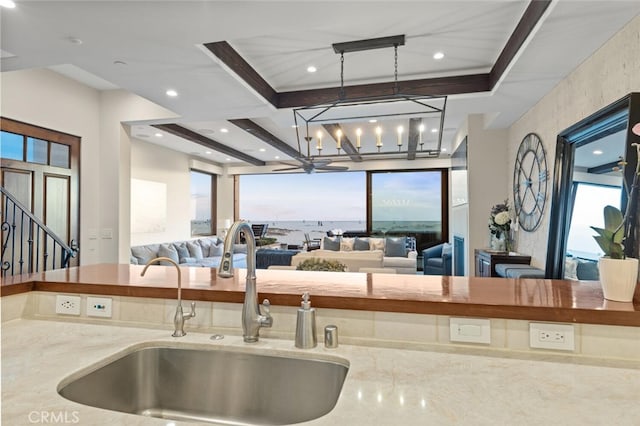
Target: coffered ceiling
500,58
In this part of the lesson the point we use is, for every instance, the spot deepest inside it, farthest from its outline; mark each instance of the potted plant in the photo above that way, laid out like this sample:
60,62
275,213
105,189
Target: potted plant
500,227
321,265
618,273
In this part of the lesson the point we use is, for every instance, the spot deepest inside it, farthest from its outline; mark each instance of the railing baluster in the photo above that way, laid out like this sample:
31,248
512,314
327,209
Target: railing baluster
30,245
21,261
53,257
6,231
37,248
13,240
45,245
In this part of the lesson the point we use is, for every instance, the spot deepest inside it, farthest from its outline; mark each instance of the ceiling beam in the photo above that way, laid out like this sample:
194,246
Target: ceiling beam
427,86
527,23
190,135
345,143
264,135
236,63
604,168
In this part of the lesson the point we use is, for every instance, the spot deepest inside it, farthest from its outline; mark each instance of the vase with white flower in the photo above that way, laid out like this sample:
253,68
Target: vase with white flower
500,227
619,273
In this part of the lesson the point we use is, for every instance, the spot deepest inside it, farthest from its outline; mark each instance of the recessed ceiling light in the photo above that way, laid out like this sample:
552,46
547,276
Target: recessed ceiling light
444,150
373,120
438,55
262,150
224,130
158,135
311,68
277,157
9,4
434,130
293,126
597,152
228,159
208,152
172,93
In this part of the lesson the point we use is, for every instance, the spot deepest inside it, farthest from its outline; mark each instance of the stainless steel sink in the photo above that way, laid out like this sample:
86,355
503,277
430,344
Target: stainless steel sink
211,386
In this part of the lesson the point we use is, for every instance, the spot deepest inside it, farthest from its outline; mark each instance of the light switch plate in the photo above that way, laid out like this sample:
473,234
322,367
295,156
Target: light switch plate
470,330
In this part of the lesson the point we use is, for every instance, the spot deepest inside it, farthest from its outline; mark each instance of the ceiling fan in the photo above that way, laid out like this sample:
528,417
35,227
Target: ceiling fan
309,165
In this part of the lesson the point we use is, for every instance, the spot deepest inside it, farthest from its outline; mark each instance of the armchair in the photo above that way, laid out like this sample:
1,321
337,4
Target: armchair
436,260
312,244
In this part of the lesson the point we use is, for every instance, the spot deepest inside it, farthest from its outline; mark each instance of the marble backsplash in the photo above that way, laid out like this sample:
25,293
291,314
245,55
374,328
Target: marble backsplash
384,329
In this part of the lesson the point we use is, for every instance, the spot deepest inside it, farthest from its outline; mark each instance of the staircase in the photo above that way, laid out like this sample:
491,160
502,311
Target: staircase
28,245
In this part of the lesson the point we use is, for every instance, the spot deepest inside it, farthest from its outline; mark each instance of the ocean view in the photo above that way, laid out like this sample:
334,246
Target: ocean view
292,232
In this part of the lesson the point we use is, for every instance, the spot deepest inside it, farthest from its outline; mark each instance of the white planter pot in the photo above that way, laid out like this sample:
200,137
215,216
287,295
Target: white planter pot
618,278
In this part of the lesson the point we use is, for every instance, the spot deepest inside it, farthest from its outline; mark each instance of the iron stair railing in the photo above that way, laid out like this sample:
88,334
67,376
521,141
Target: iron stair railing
28,245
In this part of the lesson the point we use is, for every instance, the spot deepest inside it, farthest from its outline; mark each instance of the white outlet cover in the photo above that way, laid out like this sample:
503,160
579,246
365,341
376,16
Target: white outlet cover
67,305
99,307
470,330
537,329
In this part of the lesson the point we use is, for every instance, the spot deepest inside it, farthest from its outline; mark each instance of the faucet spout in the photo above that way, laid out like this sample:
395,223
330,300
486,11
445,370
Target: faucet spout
180,317
252,318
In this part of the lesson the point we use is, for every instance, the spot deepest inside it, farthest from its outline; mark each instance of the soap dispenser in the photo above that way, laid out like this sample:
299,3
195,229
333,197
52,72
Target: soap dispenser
306,325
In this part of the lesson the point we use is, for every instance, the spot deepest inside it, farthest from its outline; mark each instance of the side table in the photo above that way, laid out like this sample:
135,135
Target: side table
487,259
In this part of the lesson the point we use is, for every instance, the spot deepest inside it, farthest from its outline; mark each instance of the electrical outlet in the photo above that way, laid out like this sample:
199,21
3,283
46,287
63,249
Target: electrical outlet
67,305
99,306
551,336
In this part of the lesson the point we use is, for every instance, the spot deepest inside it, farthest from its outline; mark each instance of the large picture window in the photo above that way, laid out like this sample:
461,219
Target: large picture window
203,197
297,204
409,203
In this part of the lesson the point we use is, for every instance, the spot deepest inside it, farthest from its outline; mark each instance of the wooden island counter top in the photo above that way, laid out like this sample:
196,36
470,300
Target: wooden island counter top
523,299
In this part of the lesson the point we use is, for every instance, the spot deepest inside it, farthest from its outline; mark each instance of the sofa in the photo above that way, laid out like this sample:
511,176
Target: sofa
365,252
206,252
436,260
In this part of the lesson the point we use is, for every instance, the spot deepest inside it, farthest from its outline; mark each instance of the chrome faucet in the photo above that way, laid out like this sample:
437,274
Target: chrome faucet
252,318
180,317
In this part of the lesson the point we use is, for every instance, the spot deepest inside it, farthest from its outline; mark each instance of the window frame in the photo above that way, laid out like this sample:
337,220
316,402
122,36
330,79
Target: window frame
213,206
444,205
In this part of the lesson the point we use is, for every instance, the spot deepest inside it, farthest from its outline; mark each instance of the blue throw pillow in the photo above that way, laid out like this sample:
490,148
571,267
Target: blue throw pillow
182,250
168,250
329,244
194,249
395,247
360,244
216,250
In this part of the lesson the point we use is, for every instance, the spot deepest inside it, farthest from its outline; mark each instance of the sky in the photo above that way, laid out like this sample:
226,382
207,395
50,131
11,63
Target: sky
301,196
587,212
339,196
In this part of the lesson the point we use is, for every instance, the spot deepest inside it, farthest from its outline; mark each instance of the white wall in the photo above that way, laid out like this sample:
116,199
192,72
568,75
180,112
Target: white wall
608,75
488,180
157,164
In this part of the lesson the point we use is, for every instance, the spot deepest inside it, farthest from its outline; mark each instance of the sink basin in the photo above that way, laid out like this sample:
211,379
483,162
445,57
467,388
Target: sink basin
225,386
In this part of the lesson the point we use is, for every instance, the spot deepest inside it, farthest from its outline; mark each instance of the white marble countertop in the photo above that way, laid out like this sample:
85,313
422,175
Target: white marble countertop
383,387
